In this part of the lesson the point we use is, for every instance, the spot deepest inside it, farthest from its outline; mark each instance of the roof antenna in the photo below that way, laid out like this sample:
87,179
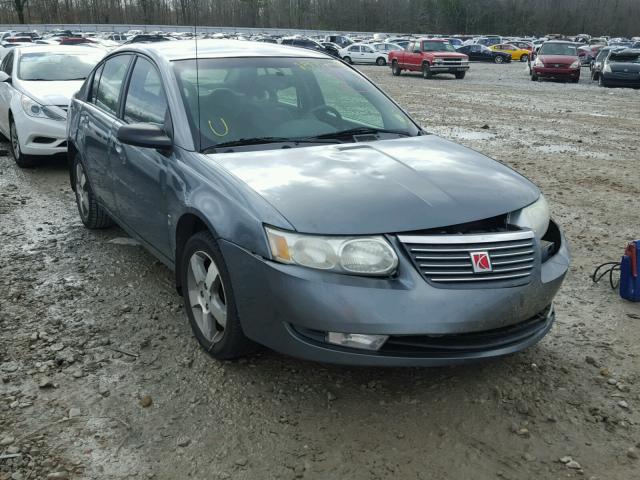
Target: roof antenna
195,37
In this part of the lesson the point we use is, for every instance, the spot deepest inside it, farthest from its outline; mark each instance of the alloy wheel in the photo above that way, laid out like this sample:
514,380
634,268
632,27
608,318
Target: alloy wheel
499,59
206,296
82,191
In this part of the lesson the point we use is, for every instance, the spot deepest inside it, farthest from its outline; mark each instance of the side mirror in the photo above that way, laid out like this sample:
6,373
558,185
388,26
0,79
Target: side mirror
4,77
145,135
417,50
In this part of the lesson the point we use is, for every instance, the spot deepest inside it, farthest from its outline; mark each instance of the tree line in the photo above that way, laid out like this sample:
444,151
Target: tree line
598,17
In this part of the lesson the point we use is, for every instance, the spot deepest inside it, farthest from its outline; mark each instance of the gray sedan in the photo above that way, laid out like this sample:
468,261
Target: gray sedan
303,210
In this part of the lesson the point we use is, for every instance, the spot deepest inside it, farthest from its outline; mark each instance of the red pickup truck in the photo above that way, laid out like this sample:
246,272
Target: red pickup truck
429,56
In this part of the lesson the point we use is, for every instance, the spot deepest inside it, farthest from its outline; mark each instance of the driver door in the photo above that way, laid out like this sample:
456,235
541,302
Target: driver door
139,174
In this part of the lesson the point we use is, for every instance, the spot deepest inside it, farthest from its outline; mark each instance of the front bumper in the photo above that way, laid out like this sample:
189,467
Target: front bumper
435,68
283,307
557,73
621,80
41,136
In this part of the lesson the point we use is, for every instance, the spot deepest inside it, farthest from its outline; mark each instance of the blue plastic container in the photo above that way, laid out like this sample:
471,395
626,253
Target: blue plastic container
630,272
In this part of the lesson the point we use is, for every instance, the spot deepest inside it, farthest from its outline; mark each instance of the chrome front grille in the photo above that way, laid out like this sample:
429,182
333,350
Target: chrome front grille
451,61
447,259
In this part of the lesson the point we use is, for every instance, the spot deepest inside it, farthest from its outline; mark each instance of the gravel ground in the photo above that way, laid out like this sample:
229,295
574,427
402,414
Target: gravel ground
101,377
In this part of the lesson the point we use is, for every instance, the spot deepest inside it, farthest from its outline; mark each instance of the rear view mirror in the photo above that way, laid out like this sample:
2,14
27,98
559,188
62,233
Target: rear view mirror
4,77
147,135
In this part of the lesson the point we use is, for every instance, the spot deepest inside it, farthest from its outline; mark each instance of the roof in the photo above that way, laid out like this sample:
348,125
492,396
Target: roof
212,48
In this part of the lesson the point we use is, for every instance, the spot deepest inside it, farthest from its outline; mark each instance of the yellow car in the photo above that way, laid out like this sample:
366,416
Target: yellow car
516,53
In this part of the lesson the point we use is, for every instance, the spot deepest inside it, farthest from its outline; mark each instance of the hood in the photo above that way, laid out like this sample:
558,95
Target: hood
449,55
559,59
381,187
51,93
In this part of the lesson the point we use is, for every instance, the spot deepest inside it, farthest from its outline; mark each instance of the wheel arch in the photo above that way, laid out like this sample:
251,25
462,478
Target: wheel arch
72,151
189,223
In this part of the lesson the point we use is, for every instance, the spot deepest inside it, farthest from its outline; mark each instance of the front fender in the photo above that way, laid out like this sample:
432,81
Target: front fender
197,185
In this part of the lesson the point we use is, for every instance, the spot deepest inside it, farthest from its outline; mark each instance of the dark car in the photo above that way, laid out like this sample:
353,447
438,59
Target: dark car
621,68
147,38
332,49
480,53
303,210
557,60
598,61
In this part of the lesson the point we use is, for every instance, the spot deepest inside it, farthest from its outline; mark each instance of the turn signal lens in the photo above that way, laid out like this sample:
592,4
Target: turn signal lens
357,340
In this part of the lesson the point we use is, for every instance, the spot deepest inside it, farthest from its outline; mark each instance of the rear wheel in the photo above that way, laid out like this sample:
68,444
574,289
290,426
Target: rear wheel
524,58
348,60
381,61
22,160
426,71
498,59
395,68
209,299
93,216
460,75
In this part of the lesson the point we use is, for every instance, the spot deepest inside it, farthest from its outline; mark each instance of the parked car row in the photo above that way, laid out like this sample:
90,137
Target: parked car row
299,207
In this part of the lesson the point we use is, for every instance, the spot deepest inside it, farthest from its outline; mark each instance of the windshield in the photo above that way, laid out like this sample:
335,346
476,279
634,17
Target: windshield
57,66
289,98
428,46
558,49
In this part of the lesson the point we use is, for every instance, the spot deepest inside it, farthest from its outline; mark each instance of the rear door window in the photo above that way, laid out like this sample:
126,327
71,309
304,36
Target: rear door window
108,93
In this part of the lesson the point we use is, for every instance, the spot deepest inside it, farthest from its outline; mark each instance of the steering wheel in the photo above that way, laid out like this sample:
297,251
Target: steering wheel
327,114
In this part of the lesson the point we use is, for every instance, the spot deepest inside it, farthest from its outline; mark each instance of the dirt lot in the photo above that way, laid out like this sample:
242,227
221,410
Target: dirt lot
101,377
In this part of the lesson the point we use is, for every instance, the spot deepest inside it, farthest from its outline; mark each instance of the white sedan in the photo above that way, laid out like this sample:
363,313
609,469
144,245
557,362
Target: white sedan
386,47
36,85
363,53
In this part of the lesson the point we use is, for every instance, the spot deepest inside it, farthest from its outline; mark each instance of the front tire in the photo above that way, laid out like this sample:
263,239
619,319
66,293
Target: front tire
209,299
460,75
381,62
601,81
498,59
426,71
22,160
93,216
395,69
534,77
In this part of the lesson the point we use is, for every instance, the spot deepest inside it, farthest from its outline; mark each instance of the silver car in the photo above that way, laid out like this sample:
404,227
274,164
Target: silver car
303,210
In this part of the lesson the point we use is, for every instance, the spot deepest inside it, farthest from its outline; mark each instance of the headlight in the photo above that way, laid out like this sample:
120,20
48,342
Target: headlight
575,64
349,255
607,68
34,109
438,60
536,217
538,63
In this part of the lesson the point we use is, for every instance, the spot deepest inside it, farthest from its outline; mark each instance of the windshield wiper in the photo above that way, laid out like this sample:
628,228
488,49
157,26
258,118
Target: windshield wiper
362,131
242,142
